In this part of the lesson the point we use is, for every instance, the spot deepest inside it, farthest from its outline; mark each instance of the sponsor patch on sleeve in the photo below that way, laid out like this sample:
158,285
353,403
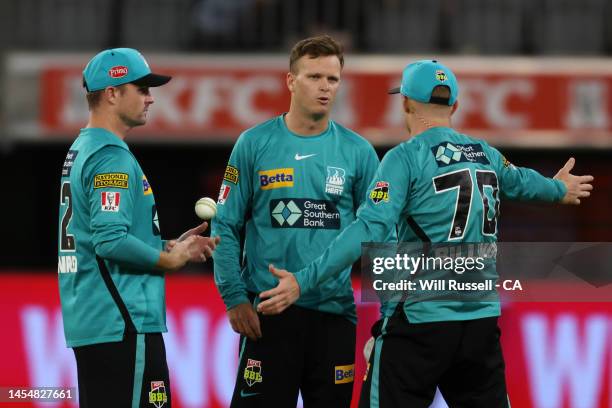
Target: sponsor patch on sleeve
231,174
380,192
507,163
344,374
111,180
146,187
110,201
223,194
69,162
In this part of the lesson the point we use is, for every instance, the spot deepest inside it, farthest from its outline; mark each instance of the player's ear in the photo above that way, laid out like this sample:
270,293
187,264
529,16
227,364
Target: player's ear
110,94
406,104
290,81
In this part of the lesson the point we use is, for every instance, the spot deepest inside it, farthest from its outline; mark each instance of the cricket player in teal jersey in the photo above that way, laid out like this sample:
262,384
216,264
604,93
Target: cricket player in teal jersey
293,182
439,186
111,258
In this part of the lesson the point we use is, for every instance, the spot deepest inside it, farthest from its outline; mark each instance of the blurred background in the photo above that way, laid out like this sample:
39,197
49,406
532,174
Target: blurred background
535,79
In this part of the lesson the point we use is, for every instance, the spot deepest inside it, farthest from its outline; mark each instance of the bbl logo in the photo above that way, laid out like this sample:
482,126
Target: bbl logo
252,372
380,192
441,75
157,395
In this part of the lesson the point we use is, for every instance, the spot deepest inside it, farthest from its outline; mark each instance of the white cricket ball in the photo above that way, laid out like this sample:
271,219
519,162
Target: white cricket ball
206,208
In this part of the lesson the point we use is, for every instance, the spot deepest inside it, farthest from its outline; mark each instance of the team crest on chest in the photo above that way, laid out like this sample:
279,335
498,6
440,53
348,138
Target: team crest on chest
334,183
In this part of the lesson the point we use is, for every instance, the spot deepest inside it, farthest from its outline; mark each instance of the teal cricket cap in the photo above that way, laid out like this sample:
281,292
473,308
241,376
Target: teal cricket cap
421,77
118,66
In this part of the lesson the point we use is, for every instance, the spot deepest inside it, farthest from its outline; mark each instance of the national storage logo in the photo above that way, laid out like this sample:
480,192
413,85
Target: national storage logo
276,178
304,213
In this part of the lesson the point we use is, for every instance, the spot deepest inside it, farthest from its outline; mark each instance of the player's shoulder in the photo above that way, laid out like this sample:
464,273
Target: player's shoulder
402,153
354,142
263,128
259,134
349,135
99,145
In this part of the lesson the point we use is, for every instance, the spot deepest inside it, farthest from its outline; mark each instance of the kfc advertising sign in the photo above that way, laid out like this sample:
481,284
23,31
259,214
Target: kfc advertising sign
511,101
558,355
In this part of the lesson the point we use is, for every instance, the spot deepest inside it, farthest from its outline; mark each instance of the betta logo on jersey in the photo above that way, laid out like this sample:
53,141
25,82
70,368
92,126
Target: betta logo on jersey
447,153
276,178
252,372
344,374
158,396
110,201
380,192
118,72
223,194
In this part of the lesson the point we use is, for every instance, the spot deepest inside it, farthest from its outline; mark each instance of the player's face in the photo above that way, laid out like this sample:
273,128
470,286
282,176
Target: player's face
133,105
314,84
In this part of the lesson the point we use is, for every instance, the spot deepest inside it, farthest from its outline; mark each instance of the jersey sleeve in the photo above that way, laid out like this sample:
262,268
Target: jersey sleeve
234,202
368,163
524,184
111,182
376,220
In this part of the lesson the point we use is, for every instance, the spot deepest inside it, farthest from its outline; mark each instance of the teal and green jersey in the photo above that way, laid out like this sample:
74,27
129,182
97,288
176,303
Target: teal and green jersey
108,243
440,186
293,195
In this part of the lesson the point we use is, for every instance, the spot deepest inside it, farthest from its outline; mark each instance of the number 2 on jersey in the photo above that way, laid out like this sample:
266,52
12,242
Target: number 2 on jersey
461,180
66,240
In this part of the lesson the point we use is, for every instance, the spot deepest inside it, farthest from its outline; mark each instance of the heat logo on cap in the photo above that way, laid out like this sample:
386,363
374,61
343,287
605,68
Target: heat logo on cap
118,72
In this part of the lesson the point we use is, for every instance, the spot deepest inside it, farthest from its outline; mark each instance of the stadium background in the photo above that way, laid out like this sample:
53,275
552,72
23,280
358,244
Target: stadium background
536,81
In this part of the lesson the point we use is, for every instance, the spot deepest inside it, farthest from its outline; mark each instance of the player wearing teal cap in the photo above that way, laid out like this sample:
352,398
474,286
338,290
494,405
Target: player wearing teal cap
440,186
293,183
111,258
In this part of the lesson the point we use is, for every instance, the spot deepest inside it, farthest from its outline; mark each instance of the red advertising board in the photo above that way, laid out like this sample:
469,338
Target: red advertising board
558,355
519,103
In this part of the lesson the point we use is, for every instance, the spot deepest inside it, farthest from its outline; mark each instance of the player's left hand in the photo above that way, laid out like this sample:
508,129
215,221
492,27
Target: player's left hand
282,296
577,186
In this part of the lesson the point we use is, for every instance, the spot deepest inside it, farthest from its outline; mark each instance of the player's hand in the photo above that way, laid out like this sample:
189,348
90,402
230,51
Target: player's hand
244,320
577,186
282,296
194,248
169,245
194,231
204,248
208,244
